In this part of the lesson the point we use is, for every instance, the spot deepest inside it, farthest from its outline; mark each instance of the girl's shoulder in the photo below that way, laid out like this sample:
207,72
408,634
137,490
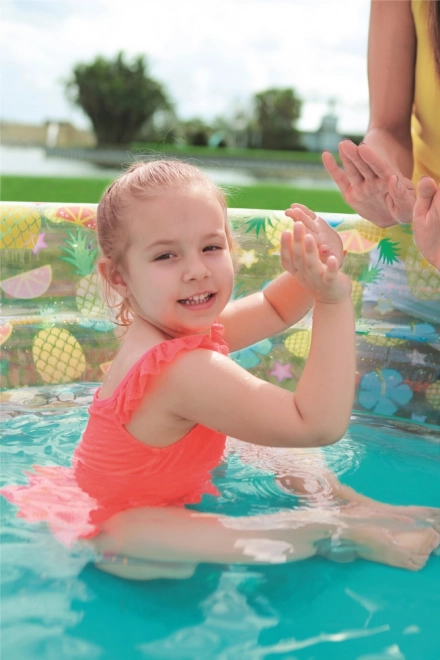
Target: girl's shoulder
146,359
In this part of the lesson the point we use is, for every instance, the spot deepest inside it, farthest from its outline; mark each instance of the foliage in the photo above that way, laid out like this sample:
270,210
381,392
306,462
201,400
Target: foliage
195,132
276,112
118,97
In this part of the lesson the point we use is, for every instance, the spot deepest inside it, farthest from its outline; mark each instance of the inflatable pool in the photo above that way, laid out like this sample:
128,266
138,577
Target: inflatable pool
55,330
57,342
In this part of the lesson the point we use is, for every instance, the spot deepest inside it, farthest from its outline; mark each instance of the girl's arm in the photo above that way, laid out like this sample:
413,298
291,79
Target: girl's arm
284,301
266,313
210,389
375,177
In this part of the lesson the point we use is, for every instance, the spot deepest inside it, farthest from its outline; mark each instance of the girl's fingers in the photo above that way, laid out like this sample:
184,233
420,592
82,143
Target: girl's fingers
331,271
286,250
311,256
338,175
298,215
324,253
305,209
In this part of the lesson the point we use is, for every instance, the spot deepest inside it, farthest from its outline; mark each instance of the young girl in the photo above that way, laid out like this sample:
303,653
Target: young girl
159,422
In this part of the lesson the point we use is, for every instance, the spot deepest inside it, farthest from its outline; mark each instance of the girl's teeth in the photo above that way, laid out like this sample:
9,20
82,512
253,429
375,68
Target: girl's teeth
196,300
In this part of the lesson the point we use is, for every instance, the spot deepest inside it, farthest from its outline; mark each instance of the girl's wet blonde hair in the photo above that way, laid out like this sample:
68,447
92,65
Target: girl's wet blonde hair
143,180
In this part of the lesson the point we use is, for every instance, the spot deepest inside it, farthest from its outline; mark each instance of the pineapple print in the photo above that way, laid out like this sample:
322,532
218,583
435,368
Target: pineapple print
19,227
81,252
423,279
357,291
368,276
432,395
298,343
369,231
273,226
381,340
57,356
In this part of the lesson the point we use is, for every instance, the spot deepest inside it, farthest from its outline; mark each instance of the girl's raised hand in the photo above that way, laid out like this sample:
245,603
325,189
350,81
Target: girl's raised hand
328,241
300,257
370,186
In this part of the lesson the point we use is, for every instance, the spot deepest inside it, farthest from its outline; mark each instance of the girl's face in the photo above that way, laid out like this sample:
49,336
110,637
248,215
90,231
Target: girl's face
179,272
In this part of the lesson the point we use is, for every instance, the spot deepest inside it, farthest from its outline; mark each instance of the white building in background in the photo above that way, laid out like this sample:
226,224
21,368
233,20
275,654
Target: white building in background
326,138
49,134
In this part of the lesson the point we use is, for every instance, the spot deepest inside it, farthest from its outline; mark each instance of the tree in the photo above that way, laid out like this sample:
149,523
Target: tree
276,112
118,96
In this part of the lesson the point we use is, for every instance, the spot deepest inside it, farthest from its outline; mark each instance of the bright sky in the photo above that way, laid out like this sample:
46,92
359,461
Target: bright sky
212,55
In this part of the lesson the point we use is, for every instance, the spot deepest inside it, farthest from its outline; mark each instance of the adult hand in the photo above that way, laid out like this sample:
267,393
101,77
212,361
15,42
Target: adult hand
370,186
328,241
426,221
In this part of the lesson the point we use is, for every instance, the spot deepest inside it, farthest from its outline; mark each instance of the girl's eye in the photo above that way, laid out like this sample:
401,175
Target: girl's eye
211,248
164,257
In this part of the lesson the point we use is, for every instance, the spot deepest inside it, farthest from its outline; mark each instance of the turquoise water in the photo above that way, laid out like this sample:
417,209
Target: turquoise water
55,604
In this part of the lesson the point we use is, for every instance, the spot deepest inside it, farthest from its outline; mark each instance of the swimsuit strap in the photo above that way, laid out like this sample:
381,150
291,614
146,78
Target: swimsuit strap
127,399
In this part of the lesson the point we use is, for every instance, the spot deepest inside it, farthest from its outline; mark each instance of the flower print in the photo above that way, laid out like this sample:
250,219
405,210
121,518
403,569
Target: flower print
383,391
249,357
99,326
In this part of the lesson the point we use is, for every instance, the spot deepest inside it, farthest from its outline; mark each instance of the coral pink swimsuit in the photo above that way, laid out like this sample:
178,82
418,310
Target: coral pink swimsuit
111,470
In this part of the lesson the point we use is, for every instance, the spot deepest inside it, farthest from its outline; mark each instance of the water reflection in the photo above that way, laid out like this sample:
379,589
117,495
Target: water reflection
32,161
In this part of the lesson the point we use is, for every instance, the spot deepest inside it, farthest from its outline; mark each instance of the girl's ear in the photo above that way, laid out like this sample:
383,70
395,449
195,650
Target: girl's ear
113,276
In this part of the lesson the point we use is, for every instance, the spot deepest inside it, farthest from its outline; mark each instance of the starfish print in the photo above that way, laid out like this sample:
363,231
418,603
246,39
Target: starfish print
417,358
281,371
40,244
248,258
384,306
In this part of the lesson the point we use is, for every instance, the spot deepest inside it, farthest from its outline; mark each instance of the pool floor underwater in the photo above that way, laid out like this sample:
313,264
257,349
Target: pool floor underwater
56,604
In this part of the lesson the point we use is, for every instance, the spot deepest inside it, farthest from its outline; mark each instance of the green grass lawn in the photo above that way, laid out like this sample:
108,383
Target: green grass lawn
89,190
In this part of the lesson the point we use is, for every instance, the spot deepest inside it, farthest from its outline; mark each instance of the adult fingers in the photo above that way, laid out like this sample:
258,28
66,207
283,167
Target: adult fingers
426,189
352,152
377,164
400,199
338,175
353,174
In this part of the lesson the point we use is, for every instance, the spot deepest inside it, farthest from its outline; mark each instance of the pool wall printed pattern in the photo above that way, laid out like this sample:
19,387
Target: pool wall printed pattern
55,329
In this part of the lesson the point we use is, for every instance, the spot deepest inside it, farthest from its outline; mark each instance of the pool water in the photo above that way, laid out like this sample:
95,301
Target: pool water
55,604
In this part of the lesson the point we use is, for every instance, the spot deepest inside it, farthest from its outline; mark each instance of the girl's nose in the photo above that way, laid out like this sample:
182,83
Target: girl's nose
196,269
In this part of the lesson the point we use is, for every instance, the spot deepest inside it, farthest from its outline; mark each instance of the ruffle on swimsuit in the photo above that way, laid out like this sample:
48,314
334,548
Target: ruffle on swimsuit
111,470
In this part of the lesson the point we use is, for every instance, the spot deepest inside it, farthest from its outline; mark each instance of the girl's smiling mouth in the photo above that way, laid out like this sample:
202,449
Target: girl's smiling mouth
200,300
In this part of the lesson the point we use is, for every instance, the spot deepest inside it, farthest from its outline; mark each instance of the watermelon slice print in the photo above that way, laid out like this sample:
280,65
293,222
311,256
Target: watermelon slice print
5,332
354,242
31,284
80,215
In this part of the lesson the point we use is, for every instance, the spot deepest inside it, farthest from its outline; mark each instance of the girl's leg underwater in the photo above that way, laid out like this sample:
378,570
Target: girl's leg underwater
148,543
